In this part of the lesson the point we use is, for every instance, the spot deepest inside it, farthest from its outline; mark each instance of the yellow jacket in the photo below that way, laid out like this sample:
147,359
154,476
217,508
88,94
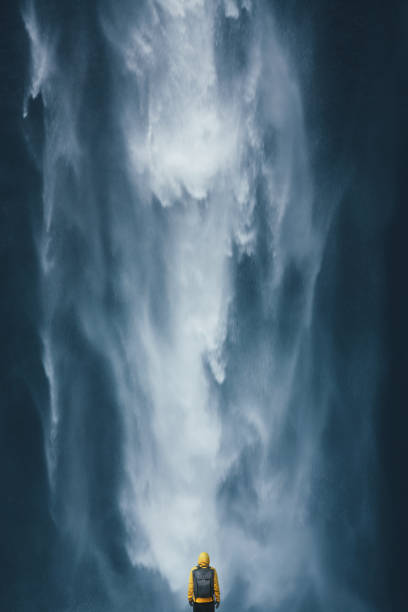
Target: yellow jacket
203,561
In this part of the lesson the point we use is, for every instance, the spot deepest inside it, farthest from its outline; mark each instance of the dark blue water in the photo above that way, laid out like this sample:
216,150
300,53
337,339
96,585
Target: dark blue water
203,307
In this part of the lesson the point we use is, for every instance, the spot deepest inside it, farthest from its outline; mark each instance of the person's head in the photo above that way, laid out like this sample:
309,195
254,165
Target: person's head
204,559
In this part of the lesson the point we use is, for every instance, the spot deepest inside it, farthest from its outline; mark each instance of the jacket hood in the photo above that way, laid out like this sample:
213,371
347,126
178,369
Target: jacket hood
204,559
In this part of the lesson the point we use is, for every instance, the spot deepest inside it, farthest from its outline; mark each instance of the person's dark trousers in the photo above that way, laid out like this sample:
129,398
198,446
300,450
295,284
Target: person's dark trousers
204,607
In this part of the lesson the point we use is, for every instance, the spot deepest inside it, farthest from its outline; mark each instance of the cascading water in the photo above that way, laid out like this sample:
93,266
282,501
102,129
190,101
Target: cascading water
179,258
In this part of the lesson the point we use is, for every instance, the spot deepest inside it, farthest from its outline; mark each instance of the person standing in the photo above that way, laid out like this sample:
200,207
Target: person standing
203,588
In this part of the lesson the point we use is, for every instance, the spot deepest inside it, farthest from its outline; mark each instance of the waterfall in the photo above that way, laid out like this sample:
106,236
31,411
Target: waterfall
179,255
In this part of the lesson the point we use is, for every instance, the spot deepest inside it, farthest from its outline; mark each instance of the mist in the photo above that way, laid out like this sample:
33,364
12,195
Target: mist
210,307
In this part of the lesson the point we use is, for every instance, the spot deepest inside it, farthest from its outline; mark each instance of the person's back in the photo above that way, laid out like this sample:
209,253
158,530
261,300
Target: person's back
203,587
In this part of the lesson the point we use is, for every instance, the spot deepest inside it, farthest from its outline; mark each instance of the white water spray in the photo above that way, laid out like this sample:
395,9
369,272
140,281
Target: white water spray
194,150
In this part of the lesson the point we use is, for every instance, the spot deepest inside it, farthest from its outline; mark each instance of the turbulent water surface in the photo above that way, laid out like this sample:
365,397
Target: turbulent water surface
197,395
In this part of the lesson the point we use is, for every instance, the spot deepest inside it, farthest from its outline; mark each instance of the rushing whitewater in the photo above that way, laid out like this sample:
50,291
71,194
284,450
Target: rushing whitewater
178,248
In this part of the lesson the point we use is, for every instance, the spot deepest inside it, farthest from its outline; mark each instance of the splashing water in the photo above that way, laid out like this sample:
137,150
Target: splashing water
178,246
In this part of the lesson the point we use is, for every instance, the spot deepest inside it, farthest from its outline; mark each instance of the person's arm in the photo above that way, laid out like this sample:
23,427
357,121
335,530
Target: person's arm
216,587
190,591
